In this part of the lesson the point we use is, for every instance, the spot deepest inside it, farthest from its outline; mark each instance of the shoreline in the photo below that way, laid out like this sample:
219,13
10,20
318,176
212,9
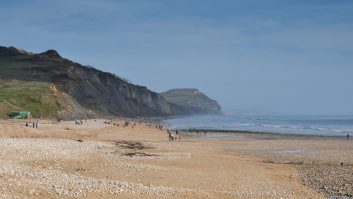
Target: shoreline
289,126
258,133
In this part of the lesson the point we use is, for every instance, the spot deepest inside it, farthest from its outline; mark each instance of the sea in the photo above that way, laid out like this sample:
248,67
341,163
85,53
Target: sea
286,124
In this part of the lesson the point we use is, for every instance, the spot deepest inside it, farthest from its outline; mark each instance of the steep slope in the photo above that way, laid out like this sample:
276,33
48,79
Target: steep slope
42,99
89,91
193,99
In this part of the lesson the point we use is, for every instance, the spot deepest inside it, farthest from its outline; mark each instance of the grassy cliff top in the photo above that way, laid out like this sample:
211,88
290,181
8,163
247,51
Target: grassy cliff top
36,97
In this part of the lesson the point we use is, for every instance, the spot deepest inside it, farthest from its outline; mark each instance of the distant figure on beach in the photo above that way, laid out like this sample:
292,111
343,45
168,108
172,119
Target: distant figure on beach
347,136
177,132
169,134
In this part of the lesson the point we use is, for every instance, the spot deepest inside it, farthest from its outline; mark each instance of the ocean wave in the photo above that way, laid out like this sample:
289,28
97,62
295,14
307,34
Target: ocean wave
246,124
300,125
271,125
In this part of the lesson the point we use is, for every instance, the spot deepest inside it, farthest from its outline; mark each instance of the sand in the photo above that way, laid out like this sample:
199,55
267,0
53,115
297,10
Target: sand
98,160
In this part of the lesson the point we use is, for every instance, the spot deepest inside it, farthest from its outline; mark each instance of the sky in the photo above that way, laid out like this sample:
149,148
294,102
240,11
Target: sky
264,56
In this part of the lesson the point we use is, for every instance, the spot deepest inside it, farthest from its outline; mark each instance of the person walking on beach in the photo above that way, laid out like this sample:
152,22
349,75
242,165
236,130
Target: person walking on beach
177,133
169,134
347,136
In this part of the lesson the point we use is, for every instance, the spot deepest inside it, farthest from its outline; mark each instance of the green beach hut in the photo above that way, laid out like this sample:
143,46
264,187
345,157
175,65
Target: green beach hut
20,114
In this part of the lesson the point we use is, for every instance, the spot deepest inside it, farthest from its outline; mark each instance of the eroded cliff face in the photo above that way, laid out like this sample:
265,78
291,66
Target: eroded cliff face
98,92
106,93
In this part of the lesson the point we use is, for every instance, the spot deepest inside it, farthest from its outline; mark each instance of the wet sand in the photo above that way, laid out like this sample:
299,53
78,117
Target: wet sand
98,160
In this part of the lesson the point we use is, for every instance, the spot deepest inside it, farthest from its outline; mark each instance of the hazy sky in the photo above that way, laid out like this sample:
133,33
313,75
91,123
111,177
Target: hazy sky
279,56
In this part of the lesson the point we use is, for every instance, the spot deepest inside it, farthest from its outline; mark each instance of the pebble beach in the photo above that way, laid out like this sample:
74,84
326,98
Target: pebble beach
101,160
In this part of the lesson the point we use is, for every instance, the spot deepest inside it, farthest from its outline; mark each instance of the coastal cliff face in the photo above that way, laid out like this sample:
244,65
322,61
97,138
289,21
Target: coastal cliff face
194,100
86,91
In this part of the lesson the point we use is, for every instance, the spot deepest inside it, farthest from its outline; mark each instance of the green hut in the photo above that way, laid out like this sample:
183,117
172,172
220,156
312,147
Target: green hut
20,114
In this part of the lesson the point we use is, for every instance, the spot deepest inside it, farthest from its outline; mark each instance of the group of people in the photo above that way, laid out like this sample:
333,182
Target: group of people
80,121
125,124
33,124
160,127
110,122
199,134
176,136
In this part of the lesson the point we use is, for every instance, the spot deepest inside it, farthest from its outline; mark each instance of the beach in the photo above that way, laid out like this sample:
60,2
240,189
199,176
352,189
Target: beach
99,159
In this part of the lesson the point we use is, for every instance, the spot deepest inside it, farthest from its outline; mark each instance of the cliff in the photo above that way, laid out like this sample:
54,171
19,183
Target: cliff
194,100
72,90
